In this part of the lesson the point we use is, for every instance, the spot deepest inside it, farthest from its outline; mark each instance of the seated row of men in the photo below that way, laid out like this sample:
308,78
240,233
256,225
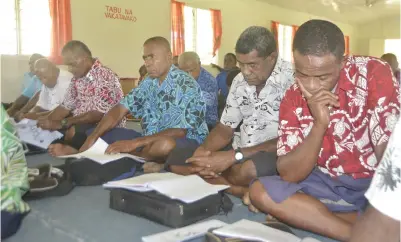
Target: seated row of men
305,132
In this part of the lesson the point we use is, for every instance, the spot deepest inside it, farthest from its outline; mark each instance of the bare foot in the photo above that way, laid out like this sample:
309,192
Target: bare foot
60,149
247,201
152,167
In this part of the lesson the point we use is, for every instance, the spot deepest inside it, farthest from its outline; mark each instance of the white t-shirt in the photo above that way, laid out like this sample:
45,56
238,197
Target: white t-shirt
384,192
50,98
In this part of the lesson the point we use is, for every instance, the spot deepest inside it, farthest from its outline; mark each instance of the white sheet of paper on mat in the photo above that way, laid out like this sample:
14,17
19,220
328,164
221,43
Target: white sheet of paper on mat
29,133
184,188
96,153
184,233
249,230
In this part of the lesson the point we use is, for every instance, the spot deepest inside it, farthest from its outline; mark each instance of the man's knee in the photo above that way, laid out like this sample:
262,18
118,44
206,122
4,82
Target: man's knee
242,174
257,193
164,145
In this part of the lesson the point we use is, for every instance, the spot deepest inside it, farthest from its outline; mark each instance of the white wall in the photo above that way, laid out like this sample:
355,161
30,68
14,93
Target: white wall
12,72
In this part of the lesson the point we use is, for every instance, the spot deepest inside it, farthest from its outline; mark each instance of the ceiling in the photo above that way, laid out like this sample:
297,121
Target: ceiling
351,11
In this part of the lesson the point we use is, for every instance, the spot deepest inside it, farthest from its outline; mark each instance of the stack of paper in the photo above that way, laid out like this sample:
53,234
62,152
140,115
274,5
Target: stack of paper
253,231
186,233
184,188
29,133
96,153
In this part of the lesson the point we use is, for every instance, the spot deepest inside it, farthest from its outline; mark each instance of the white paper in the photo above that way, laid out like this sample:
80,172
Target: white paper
184,233
96,153
249,230
29,133
187,189
184,188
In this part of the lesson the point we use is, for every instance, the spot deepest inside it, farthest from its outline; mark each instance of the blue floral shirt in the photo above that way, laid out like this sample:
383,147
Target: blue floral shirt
208,85
176,103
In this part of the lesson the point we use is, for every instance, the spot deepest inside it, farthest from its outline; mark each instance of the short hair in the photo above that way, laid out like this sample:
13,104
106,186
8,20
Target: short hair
388,56
232,55
319,37
36,56
189,56
256,38
231,75
77,46
160,41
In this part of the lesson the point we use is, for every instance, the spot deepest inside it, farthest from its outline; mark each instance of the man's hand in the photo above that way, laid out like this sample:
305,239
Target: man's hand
319,104
32,116
47,124
127,146
19,116
201,151
212,164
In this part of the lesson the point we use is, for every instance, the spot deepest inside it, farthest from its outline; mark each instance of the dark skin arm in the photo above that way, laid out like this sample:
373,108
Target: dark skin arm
17,105
91,117
36,112
218,138
217,67
31,104
375,226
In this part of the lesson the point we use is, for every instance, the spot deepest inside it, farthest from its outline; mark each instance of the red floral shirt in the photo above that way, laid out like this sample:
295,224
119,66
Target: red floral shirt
369,108
99,90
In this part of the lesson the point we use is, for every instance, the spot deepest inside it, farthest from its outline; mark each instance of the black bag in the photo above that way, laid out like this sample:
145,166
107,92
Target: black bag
48,181
85,172
211,237
161,209
34,150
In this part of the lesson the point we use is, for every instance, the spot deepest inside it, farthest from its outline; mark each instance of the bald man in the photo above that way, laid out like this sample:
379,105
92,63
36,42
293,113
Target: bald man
93,91
190,63
31,86
55,84
171,106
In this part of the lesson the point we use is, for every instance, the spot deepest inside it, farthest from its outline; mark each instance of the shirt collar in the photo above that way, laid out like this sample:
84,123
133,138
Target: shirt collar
96,64
344,83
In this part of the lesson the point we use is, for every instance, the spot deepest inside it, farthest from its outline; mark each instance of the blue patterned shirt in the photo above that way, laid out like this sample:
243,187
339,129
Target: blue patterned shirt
208,85
222,83
176,103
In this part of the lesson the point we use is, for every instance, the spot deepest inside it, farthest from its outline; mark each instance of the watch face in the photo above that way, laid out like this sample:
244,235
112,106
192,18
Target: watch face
239,156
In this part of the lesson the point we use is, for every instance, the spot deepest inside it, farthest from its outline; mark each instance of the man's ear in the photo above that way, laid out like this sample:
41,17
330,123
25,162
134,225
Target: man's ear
273,55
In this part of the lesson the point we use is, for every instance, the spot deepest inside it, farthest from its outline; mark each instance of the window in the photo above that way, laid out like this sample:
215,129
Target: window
285,41
393,46
25,27
199,33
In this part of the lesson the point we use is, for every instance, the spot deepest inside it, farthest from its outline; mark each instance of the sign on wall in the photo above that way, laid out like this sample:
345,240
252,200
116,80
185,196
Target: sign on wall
117,13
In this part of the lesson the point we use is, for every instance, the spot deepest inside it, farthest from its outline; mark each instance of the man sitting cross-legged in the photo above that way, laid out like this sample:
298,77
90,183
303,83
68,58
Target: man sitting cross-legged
334,126
254,99
171,106
190,62
55,84
93,91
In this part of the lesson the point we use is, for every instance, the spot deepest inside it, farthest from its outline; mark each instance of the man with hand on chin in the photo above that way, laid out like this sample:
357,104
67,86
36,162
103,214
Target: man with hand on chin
334,126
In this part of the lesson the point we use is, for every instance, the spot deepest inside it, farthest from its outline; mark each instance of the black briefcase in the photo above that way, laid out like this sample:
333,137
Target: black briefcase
166,211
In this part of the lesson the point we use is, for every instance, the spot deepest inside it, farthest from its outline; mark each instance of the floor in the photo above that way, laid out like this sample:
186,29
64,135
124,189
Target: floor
84,216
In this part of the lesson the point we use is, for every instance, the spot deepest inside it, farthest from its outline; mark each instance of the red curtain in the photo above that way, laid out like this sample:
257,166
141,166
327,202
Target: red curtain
60,13
294,30
177,27
274,29
346,39
217,29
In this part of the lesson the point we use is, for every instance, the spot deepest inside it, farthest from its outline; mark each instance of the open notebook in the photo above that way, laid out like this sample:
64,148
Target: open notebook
29,133
96,153
184,188
254,231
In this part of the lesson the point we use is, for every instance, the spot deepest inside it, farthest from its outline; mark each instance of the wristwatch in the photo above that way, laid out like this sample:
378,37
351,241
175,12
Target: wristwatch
64,123
238,155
